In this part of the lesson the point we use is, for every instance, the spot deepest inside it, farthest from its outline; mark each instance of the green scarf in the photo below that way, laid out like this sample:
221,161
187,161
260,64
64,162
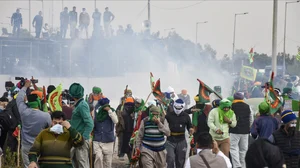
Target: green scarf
225,103
141,107
102,114
34,105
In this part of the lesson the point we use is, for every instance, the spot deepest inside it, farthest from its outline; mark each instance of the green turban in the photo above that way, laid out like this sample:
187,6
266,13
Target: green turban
264,108
76,90
287,90
97,90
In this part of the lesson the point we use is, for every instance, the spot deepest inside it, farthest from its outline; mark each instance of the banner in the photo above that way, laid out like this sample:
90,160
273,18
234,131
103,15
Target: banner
55,99
248,73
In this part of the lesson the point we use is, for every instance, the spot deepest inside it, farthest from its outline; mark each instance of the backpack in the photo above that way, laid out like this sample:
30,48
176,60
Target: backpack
7,118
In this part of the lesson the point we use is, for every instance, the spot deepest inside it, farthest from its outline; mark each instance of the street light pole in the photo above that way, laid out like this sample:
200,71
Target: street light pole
274,37
29,22
234,29
284,36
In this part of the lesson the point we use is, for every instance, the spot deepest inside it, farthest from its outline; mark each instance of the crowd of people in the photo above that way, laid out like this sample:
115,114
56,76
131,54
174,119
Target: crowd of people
76,24
62,132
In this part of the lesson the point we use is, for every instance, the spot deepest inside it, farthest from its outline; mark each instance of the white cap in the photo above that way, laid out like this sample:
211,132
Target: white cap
170,89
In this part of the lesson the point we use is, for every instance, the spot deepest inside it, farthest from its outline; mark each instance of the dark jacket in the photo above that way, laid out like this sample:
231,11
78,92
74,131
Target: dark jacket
73,16
289,145
177,125
104,131
264,126
16,19
38,21
263,154
242,112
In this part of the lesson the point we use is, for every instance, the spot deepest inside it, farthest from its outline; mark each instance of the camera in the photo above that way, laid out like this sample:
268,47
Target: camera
23,80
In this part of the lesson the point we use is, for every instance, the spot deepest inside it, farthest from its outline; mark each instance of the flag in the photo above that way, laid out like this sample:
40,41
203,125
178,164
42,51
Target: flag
152,81
55,99
158,94
275,104
204,92
251,55
248,73
45,108
298,55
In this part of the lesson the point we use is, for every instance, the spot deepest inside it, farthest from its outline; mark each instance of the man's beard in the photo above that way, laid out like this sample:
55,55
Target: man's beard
291,131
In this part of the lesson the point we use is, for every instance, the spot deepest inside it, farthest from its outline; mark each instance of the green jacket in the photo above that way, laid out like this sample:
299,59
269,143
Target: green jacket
214,124
81,119
52,150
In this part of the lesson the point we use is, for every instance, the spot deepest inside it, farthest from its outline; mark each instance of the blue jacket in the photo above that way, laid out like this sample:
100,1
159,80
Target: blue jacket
104,131
264,126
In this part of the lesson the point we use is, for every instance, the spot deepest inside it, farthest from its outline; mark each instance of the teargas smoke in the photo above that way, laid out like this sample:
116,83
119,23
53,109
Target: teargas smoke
127,60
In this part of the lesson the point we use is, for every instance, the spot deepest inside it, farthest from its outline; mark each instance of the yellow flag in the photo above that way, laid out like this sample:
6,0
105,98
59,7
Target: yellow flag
55,99
248,73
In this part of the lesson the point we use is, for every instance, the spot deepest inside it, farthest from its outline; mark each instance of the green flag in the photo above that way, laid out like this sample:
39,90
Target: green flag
251,55
275,103
204,92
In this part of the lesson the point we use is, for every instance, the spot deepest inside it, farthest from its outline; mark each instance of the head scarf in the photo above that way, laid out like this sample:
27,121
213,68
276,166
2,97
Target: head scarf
178,106
153,109
34,101
225,103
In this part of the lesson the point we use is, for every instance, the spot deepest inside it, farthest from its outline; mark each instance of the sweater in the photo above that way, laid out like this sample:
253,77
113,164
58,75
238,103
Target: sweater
52,150
33,120
149,131
81,119
214,124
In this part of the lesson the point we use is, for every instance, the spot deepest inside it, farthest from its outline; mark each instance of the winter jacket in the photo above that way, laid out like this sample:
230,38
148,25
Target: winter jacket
178,124
104,131
243,116
84,18
73,16
81,119
38,21
33,120
52,150
289,145
64,18
214,124
264,126
16,19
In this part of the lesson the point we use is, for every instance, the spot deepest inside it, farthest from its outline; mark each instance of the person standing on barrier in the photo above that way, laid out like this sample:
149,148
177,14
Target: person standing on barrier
16,22
37,23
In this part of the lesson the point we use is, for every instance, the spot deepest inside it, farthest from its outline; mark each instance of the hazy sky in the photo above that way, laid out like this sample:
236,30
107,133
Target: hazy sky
253,30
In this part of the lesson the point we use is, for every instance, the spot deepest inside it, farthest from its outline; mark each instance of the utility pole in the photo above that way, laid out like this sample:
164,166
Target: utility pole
29,22
274,37
52,21
284,36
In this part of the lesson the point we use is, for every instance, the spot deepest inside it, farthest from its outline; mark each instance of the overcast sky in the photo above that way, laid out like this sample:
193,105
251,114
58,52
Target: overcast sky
253,30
